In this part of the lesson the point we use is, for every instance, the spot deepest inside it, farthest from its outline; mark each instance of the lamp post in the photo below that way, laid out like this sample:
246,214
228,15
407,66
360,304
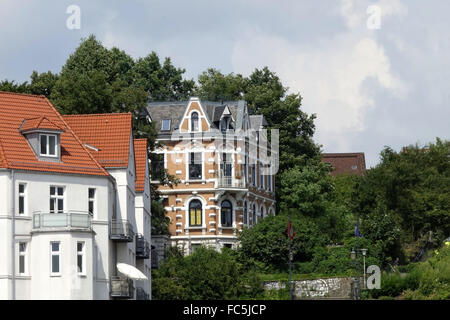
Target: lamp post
364,252
353,257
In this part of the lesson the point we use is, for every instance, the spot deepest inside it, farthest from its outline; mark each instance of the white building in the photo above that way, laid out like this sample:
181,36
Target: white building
74,202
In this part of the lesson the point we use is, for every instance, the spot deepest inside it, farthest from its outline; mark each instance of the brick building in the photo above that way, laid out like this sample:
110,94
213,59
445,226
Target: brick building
217,151
350,163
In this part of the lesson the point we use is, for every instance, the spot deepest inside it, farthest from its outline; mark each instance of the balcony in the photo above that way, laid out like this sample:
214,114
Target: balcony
70,219
141,294
229,182
142,247
121,230
121,288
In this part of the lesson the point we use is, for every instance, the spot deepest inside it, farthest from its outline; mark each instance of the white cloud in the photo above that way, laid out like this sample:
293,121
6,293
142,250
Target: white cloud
330,73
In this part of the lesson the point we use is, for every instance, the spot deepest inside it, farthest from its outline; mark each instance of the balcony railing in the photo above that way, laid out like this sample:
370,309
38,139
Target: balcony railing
230,182
121,288
121,230
70,219
142,247
141,294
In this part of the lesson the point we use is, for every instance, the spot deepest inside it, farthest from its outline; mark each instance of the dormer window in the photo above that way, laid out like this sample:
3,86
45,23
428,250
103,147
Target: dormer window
194,121
48,145
165,126
44,137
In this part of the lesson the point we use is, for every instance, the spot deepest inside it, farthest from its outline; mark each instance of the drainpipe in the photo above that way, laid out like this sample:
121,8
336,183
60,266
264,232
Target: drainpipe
113,180
13,235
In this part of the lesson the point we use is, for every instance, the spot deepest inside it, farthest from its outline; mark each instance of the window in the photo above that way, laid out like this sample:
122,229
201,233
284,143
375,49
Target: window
253,169
195,246
195,166
254,215
80,258
261,176
195,213
21,198
226,214
165,126
56,199
269,179
91,200
48,145
223,125
245,169
228,245
22,258
354,167
55,258
226,165
245,213
194,121
262,212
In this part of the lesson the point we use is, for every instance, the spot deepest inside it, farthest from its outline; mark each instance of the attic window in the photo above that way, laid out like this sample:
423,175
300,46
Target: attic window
165,125
48,145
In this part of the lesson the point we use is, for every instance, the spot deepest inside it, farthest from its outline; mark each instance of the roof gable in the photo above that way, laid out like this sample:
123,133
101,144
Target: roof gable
108,133
15,151
39,123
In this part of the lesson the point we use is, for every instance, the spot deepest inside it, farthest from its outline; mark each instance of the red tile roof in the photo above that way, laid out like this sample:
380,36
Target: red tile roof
353,163
15,151
140,156
39,123
109,133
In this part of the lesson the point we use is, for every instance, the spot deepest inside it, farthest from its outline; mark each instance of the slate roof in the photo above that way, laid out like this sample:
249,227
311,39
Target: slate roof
175,110
16,152
109,133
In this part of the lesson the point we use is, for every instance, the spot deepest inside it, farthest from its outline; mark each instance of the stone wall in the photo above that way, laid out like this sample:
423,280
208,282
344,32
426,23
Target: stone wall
319,288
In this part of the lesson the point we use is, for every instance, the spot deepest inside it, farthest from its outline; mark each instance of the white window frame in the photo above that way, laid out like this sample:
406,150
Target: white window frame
94,202
57,197
52,254
81,254
198,121
47,147
24,196
162,124
23,255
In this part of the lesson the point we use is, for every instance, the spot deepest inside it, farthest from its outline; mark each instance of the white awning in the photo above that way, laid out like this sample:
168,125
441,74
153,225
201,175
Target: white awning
131,272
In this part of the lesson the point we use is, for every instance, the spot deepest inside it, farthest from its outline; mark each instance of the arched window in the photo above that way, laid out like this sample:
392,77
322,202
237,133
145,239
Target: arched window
195,213
254,215
226,213
245,214
262,212
194,121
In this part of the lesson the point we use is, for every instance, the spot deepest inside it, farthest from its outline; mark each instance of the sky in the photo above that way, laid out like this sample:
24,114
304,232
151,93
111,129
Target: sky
376,73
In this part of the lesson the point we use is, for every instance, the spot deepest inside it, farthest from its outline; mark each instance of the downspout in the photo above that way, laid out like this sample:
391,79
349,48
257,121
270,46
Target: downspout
113,180
13,235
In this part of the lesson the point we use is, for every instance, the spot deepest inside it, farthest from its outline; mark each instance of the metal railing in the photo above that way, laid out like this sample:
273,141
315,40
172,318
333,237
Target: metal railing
72,219
142,247
121,230
121,288
230,182
141,294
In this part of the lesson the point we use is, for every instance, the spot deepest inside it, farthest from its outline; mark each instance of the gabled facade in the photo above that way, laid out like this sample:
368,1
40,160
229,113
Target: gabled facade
70,207
216,151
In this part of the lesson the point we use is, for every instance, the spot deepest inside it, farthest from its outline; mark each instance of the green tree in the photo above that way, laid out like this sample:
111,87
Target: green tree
204,275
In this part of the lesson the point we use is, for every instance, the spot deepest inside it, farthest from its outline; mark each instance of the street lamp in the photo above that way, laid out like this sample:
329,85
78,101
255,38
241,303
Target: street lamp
364,252
353,257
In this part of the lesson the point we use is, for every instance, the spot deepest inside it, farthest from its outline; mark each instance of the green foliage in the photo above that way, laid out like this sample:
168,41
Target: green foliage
406,198
204,275
267,244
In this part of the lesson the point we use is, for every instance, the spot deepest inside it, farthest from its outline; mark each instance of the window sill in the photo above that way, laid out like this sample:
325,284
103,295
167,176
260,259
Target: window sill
194,228
55,275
